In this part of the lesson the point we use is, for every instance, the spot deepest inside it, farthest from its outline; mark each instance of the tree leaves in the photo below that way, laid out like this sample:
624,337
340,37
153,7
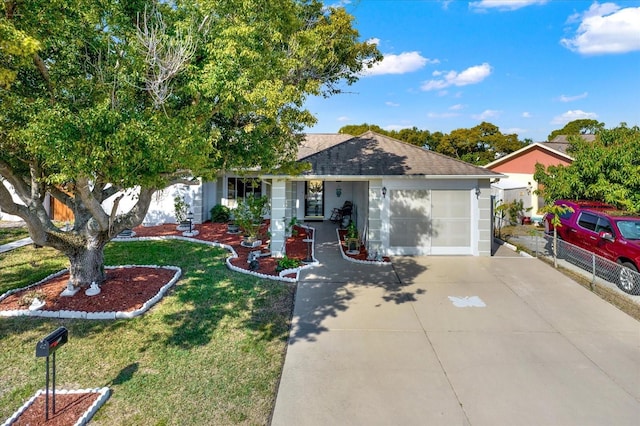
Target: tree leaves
607,169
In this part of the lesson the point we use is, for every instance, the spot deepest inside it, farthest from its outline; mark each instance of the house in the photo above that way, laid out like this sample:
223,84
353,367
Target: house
406,200
519,168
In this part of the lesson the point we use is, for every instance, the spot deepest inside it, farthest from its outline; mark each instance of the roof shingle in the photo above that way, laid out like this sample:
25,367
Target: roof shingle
372,154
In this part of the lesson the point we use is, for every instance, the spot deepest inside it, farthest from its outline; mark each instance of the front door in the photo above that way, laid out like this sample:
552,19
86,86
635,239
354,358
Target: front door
314,199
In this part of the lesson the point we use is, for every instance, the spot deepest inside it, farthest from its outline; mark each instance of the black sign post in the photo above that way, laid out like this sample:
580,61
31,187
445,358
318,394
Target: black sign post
44,348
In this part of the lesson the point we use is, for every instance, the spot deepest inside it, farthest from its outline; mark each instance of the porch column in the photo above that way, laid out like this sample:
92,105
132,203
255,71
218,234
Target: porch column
376,204
278,213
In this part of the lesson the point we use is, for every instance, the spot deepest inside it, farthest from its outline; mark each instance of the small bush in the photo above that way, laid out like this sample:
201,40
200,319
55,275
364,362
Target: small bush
287,263
220,213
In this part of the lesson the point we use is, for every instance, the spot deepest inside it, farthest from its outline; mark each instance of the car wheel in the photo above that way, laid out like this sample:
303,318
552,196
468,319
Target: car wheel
628,281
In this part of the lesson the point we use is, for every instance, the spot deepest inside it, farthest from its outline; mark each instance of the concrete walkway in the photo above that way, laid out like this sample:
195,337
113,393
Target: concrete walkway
454,341
15,244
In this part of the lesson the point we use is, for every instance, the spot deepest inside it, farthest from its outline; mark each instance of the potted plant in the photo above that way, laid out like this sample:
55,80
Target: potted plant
351,239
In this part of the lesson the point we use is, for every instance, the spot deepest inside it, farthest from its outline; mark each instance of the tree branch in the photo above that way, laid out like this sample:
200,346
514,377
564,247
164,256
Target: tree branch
91,203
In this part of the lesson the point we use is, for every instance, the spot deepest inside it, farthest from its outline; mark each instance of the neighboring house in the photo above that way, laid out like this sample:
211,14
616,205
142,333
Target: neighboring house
519,167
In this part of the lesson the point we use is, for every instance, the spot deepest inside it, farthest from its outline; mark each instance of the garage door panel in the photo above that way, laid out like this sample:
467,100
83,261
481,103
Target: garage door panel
409,233
451,213
430,221
451,233
409,204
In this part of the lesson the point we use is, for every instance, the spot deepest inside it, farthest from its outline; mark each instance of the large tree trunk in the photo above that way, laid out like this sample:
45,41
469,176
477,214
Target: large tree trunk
87,263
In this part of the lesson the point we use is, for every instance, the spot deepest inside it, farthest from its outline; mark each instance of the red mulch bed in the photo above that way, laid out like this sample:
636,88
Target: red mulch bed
69,409
125,289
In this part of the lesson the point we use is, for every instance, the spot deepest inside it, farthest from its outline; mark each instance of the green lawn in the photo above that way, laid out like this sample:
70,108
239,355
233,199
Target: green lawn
210,352
8,235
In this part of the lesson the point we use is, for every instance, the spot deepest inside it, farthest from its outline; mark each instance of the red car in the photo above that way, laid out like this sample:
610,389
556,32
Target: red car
606,231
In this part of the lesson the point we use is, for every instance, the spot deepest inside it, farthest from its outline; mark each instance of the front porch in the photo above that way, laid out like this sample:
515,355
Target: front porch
312,201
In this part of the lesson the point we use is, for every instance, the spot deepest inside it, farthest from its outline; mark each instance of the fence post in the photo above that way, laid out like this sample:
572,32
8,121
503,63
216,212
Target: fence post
593,269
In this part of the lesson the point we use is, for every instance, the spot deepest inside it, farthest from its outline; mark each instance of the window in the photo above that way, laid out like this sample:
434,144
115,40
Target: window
588,221
604,226
240,188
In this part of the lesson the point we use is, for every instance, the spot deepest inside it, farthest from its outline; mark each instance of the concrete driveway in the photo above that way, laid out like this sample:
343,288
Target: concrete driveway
413,344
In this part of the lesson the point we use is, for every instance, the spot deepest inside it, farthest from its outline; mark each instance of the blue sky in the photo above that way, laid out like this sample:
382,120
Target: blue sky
527,66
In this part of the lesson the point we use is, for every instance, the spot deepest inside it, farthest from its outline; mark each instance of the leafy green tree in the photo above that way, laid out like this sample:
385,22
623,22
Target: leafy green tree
578,127
607,169
480,144
556,210
102,98
358,129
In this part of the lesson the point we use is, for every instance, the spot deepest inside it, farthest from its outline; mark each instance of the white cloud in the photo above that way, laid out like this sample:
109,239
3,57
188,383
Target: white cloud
486,115
396,127
442,115
343,118
565,98
445,4
456,107
471,75
391,104
483,5
514,130
526,114
573,115
605,28
399,64
374,40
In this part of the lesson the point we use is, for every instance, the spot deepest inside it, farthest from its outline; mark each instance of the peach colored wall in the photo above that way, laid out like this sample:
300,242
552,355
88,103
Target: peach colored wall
526,162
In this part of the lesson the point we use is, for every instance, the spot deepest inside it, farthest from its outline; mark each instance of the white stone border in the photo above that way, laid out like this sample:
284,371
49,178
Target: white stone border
94,315
104,395
351,259
280,277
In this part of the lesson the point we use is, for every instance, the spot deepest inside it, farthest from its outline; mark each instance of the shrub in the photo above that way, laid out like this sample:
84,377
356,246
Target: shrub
287,263
249,214
181,208
220,213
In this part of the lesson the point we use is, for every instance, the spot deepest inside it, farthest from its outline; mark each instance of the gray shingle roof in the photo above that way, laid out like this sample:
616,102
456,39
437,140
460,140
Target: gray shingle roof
561,142
316,142
372,154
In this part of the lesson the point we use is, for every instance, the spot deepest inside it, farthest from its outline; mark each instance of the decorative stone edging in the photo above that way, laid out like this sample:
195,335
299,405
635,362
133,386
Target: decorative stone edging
351,259
280,277
94,315
104,395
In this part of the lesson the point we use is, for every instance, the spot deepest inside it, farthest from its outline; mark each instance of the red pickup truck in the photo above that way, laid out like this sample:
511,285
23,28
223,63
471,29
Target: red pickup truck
606,231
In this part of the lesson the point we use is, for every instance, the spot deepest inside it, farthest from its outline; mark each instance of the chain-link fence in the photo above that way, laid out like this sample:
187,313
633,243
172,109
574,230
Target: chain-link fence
591,265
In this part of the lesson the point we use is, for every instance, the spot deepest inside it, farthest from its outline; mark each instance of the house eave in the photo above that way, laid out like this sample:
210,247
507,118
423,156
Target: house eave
375,177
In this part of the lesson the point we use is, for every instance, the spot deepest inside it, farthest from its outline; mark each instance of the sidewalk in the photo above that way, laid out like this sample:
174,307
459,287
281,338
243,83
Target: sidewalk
15,244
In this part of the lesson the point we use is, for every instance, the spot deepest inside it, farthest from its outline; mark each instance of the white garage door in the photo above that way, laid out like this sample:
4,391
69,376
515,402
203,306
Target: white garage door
430,221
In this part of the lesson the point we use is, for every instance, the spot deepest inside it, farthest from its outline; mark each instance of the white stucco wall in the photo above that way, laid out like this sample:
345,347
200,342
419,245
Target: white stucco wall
161,209
9,217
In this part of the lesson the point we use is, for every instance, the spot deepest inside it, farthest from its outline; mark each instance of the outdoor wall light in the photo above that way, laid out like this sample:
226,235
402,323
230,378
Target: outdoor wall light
190,219
338,190
478,192
384,191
